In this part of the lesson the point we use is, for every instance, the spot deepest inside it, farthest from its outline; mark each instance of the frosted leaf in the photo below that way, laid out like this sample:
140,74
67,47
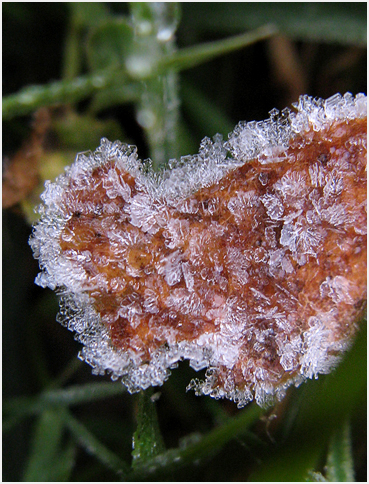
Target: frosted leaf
317,357
248,259
290,352
151,301
188,206
177,232
186,303
188,276
334,185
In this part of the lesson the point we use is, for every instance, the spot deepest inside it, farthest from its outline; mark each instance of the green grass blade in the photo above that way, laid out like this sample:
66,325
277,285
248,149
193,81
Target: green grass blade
74,395
325,403
77,394
289,464
48,461
94,447
340,466
192,56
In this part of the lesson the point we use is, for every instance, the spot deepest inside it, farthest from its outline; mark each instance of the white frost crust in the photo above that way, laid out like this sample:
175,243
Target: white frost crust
263,139
267,140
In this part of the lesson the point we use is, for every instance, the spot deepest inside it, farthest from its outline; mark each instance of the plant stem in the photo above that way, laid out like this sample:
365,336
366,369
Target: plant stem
160,87
158,108
175,458
198,54
147,441
33,97
340,466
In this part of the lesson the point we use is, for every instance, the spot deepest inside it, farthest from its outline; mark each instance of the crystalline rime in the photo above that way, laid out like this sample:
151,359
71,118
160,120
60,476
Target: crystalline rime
248,259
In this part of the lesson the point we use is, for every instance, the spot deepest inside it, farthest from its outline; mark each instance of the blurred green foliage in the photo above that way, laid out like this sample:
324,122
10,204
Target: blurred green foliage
161,76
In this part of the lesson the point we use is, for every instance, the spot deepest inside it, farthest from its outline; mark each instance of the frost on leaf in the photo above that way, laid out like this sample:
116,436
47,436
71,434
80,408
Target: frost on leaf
248,259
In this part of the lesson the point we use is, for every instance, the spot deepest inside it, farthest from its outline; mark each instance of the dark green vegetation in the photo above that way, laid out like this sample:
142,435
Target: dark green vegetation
224,65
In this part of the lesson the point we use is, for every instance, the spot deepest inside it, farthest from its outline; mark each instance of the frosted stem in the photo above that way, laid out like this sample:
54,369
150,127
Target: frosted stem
157,110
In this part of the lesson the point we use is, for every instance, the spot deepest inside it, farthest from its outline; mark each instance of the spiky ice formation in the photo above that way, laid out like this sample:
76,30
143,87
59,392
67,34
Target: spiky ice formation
248,259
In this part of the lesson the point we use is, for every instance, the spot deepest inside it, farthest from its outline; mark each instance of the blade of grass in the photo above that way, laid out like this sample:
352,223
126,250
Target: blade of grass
340,466
192,56
94,447
325,403
72,367
48,461
331,22
292,464
75,395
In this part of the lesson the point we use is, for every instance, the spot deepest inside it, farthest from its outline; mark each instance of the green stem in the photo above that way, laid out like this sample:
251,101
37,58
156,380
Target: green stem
175,458
70,369
147,441
161,87
198,54
340,465
158,108
72,58
33,97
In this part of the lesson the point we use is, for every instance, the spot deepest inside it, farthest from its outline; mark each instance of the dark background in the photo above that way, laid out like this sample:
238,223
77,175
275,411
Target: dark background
243,85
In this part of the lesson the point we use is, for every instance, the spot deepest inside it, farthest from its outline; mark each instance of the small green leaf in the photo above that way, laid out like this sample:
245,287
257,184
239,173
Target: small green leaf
147,440
340,466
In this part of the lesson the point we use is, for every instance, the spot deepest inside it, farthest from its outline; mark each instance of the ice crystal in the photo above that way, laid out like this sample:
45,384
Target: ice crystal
248,259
